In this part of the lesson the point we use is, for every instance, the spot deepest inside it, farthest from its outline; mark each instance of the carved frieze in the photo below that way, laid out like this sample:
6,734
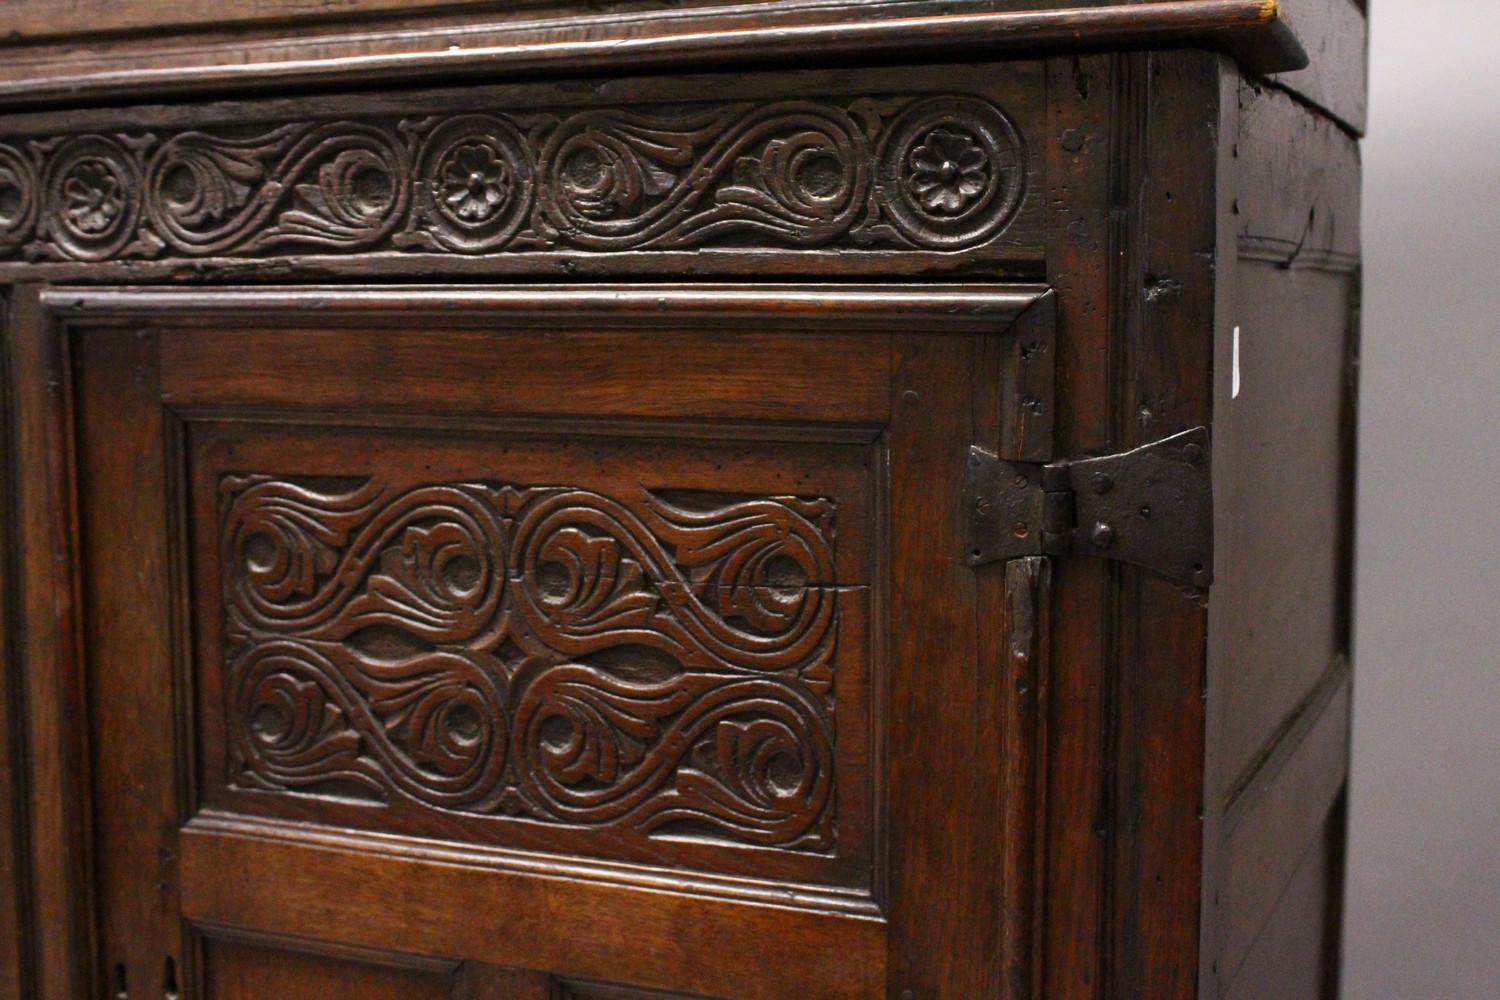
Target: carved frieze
920,173
547,653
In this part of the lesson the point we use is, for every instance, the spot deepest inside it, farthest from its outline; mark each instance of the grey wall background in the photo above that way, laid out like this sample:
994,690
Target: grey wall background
1423,902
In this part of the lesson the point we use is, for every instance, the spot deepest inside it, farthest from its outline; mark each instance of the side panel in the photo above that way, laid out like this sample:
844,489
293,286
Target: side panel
1280,641
1291,957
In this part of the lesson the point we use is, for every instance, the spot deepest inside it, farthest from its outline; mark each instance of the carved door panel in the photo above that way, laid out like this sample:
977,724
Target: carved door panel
544,643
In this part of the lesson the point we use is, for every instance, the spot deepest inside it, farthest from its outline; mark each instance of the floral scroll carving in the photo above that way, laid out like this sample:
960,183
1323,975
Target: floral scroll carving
548,653
931,173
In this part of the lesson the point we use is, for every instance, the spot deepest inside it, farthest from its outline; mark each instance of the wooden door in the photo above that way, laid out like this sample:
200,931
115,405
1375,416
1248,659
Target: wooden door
542,643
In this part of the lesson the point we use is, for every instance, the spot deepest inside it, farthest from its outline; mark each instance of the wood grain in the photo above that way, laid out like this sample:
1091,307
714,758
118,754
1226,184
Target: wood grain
1082,240
905,308
1055,778
134,672
238,971
1163,350
656,939
1273,826
943,933
487,982
50,657
763,33
1335,34
578,373
1296,178
14,883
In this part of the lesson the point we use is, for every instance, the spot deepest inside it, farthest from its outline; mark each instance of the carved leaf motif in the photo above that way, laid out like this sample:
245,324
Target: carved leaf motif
929,173
324,567
725,608
673,663
796,172
592,749
309,717
202,193
339,186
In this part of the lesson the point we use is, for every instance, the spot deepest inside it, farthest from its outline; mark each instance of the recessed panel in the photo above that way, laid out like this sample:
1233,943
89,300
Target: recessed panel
237,971
618,649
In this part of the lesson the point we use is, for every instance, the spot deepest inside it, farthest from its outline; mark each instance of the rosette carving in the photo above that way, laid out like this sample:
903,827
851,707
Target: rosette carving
887,173
93,197
475,187
952,171
19,199
551,652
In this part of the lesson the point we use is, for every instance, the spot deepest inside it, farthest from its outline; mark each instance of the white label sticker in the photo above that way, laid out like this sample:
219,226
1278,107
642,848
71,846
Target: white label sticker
1234,368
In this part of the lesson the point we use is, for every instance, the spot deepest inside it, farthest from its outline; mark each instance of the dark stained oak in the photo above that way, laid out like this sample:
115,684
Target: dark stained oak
778,173
13,878
238,971
572,41
58,893
483,512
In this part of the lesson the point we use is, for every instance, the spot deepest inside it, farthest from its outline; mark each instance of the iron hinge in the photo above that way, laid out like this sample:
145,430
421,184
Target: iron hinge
1152,507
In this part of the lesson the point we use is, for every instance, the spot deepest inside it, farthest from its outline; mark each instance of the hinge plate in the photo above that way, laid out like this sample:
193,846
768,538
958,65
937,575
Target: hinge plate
1005,502
1152,507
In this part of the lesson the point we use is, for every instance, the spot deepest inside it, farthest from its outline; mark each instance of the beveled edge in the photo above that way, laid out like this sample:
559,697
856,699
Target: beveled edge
1256,32
923,308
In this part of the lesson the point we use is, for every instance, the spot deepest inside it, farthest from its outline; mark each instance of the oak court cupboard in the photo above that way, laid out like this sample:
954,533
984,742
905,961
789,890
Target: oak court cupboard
676,499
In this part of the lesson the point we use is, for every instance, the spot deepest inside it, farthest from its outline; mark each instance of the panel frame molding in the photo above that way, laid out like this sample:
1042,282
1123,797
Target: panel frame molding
911,314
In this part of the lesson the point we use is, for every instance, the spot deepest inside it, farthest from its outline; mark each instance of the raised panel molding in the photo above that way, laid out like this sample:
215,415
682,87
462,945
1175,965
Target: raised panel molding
923,173
640,664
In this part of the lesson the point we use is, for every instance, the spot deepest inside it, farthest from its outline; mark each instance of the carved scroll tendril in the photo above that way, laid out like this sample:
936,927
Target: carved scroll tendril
549,652
905,173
